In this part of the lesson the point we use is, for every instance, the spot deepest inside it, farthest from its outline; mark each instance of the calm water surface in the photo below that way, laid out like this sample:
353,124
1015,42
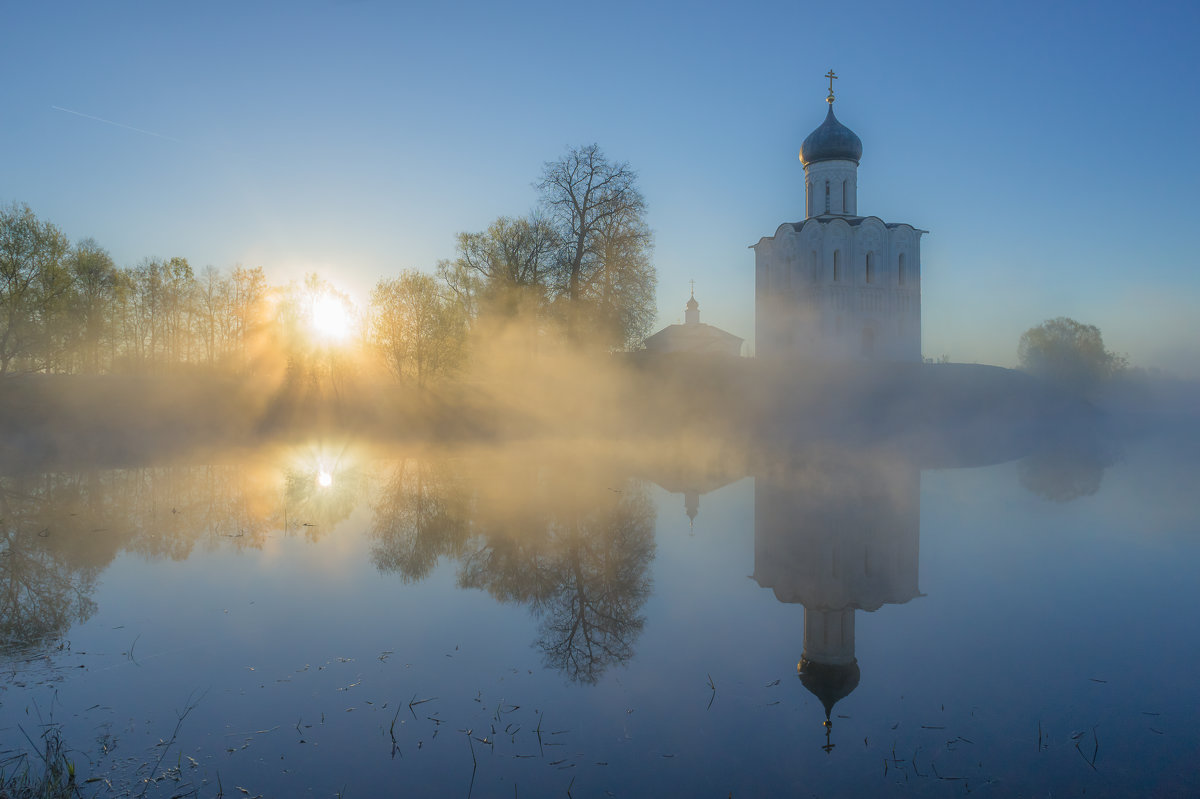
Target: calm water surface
331,618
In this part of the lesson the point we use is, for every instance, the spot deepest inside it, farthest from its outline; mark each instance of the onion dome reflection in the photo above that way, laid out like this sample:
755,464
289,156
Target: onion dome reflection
837,534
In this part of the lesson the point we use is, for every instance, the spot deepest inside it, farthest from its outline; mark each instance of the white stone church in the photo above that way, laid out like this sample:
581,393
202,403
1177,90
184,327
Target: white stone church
836,285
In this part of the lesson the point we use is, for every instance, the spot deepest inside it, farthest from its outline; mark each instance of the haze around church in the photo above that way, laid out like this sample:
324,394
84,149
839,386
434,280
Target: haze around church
1047,150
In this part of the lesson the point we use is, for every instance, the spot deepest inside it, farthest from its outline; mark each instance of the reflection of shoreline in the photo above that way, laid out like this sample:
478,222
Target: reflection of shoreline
537,524
571,537
59,531
568,538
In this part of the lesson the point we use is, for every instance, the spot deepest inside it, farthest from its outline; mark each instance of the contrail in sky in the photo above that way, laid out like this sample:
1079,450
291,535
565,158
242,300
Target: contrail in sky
118,124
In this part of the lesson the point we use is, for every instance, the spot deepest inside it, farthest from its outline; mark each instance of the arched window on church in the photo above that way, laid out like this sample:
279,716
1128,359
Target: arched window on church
808,205
827,196
903,277
837,265
845,197
870,267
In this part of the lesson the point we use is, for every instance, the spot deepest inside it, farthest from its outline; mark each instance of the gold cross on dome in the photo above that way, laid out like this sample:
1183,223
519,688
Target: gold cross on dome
693,282
832,77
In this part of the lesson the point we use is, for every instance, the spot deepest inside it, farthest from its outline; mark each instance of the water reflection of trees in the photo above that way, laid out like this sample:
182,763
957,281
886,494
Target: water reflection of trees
45,582
1069,470
59,531
421,513
572,541
573,544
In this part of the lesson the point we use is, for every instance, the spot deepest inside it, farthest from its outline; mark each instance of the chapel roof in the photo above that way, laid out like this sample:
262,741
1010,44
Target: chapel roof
699,336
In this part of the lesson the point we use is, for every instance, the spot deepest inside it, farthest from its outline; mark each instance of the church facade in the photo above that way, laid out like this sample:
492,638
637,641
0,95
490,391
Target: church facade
837,286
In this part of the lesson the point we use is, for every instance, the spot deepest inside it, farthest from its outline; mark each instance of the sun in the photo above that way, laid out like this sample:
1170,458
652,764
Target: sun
329,319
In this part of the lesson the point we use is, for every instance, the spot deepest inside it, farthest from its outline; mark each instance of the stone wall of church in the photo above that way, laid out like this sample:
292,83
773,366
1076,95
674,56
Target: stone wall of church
837,291
839,532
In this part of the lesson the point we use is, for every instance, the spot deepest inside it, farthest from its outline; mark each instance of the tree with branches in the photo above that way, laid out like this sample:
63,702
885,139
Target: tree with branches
604,279
34,283
1069,354
417,330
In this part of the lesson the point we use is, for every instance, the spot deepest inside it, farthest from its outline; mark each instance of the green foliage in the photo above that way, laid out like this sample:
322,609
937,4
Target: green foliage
418,331
33,286
51,775
1069,354
71,309
95,278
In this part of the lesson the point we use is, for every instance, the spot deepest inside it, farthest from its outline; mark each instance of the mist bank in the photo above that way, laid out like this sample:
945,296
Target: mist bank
941,413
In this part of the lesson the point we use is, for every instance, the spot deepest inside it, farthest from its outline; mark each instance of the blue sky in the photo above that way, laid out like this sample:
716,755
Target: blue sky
1049,148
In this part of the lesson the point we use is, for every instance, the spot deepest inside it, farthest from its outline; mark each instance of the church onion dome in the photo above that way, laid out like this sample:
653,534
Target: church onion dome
832,141
692,304
827,682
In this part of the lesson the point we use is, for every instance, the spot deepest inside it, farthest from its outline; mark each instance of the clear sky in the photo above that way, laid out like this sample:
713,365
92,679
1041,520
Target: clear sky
1050,148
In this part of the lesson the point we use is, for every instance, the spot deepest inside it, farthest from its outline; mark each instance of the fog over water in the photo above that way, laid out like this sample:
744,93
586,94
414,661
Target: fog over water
272,547
348,449
921,602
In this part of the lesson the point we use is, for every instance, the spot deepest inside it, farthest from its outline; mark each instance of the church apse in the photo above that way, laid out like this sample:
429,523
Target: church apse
838,534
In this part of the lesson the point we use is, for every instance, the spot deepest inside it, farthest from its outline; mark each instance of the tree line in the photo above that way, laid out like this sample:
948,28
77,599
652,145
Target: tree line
69,308
576,269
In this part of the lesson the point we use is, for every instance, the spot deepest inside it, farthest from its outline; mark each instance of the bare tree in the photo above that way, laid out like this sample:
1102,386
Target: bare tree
597,212
621,295
515,259
212,306
248,306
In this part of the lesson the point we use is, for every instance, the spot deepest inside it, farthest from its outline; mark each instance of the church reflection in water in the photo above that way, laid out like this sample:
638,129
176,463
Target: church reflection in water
838,534
568,533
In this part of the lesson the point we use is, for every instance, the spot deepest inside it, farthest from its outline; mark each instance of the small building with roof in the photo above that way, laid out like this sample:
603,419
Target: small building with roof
836,285
693,336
